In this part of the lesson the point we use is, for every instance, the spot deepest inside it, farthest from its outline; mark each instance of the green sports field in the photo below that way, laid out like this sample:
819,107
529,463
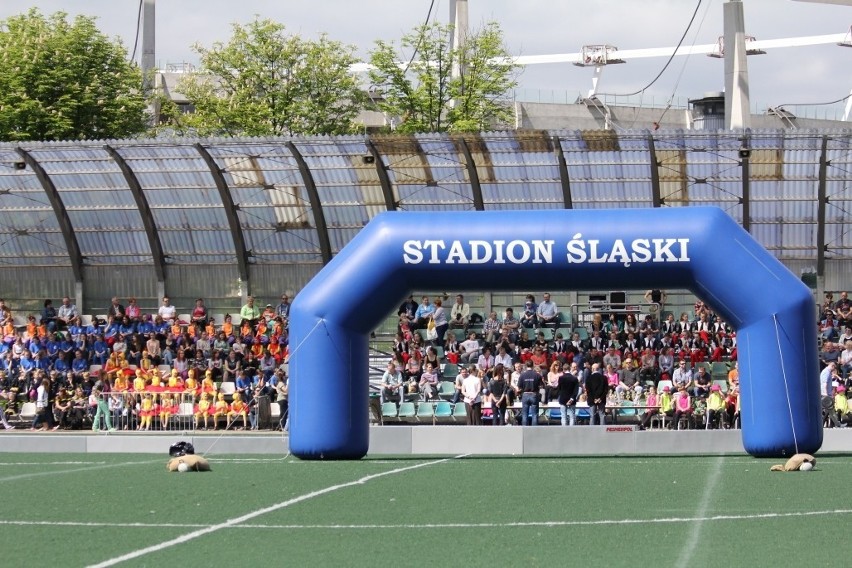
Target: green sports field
107,509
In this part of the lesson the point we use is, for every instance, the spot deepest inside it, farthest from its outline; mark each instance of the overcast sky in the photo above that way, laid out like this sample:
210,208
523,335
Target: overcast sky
531,27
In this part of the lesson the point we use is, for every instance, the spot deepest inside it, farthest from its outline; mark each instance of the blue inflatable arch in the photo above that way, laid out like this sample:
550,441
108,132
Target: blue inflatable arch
696,248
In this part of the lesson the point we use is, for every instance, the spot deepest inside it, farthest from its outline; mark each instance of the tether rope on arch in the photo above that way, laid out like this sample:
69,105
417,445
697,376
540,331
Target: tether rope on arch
786,387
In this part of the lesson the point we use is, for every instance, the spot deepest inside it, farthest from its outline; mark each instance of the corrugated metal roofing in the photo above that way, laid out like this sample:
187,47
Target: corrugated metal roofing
427,172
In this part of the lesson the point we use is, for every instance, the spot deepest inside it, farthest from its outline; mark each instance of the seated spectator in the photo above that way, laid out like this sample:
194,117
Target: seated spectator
428,383
491,328
547,312
702,381
715,408
653,404
167,311
198,317
612,378
133,311
485,362
67,314
423,315
460,314
629,385
682,376
469,349
529,318
682,409
48,316
452,348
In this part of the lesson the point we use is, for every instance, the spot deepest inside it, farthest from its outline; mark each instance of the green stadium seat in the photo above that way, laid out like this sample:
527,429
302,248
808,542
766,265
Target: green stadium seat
389,410
723,384
426,412
450,371
583,333
460,412
446,389
406,410
443,410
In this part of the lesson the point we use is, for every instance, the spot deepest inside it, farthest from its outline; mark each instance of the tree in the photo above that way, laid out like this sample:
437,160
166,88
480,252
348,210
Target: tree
264,82
66,80
428,96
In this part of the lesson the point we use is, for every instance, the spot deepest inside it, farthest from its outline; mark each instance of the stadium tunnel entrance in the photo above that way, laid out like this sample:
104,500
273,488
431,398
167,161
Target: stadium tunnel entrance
698,248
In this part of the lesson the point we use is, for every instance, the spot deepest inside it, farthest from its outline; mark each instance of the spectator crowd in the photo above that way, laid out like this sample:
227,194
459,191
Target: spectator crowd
135,370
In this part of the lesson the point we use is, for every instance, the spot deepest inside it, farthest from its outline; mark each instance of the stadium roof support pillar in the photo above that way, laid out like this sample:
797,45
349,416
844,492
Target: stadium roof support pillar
473,175
316,205
384,178
159,258
656,201
745,158
62,219
822,201
231,214
563,173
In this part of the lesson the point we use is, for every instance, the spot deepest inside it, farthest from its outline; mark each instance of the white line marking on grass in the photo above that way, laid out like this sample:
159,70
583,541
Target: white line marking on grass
248,516
694,535
662,520
53,463
75,470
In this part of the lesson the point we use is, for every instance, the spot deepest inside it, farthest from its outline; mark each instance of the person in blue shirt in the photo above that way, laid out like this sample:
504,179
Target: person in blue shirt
111,331
423,314
100,351
79,365
27,363
52,346
161,327
66,348
146,326
243,384
60,366
126,327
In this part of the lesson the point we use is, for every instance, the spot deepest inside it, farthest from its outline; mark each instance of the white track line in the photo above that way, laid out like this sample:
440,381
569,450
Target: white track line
75,470
248,516
476,526
52,463
695,534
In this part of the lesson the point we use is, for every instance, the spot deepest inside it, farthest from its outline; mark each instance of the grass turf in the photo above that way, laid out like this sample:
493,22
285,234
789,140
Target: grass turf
696,511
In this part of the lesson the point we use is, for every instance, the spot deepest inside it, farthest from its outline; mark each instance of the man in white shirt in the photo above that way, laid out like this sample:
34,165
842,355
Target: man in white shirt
472,392
460,314
469,349
67,314
682,376
392,384
167,311
547,313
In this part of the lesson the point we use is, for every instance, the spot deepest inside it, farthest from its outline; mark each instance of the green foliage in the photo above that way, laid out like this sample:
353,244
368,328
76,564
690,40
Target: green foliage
425,93
265,82
64,80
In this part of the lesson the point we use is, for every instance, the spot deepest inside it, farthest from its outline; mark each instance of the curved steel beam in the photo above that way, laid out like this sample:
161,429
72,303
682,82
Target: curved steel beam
61,213
144,210
563,173
384,178
473,175
316,205
231,214
656,201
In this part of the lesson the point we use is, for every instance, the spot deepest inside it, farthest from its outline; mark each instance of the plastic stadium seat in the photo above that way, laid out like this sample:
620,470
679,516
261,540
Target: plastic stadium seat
547,332
227,388
450,371
218,319
95,370
28,411
86,319
407,410
446,389
443,410
723,384
662,384
426,412
389,410
460,411
184,319
582,332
